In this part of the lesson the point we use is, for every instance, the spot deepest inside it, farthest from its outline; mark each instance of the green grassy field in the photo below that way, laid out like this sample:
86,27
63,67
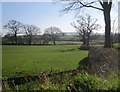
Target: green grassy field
29,60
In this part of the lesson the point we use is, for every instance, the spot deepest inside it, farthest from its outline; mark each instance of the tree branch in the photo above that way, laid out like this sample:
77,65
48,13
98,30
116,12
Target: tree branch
69,7
85,5
101,3
79,5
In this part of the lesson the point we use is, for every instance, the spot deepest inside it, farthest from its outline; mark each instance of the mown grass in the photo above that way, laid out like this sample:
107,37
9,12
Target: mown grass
30,60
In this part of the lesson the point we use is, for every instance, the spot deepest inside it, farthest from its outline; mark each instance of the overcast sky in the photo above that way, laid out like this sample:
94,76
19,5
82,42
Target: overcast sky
45,14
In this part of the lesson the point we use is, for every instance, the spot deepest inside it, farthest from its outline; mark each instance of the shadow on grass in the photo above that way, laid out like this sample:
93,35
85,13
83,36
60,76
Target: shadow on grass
83,64
68,50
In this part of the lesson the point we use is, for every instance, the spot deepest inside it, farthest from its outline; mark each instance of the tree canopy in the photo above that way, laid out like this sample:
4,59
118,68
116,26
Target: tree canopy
54,33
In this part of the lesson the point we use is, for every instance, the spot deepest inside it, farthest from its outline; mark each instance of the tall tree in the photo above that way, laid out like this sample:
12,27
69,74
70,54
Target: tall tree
13,26
85,26
30,31
54,33
105,7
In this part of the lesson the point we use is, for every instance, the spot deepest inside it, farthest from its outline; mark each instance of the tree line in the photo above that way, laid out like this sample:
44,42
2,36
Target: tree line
29,32
84,26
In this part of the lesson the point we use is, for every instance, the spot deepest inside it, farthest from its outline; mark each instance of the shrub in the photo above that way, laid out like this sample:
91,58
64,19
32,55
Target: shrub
85,83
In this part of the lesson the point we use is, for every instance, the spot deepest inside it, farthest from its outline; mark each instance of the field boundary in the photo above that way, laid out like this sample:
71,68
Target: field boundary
13,81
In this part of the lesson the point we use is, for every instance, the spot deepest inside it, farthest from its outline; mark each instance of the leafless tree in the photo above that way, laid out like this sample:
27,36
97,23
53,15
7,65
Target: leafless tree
104,5
54,33
14,27
85,26
31,31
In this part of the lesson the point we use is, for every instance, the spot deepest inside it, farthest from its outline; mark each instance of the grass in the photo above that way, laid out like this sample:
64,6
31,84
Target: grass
116,45
29,60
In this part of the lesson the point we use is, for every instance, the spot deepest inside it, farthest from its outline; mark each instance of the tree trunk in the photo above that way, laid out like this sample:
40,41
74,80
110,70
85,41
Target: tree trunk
54,39
30,40
15,38
54,42
83,40
107,19
88,40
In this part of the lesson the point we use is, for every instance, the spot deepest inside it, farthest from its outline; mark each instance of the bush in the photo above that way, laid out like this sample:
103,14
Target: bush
85,83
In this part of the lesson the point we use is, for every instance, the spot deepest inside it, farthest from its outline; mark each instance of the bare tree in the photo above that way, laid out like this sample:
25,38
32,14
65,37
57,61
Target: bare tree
54,33
84,27
30,31
105,6
13,26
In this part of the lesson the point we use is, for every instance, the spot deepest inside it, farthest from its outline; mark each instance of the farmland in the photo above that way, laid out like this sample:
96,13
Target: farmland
30,60
19,62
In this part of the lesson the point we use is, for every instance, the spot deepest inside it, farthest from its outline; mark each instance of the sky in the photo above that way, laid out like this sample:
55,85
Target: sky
44,14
